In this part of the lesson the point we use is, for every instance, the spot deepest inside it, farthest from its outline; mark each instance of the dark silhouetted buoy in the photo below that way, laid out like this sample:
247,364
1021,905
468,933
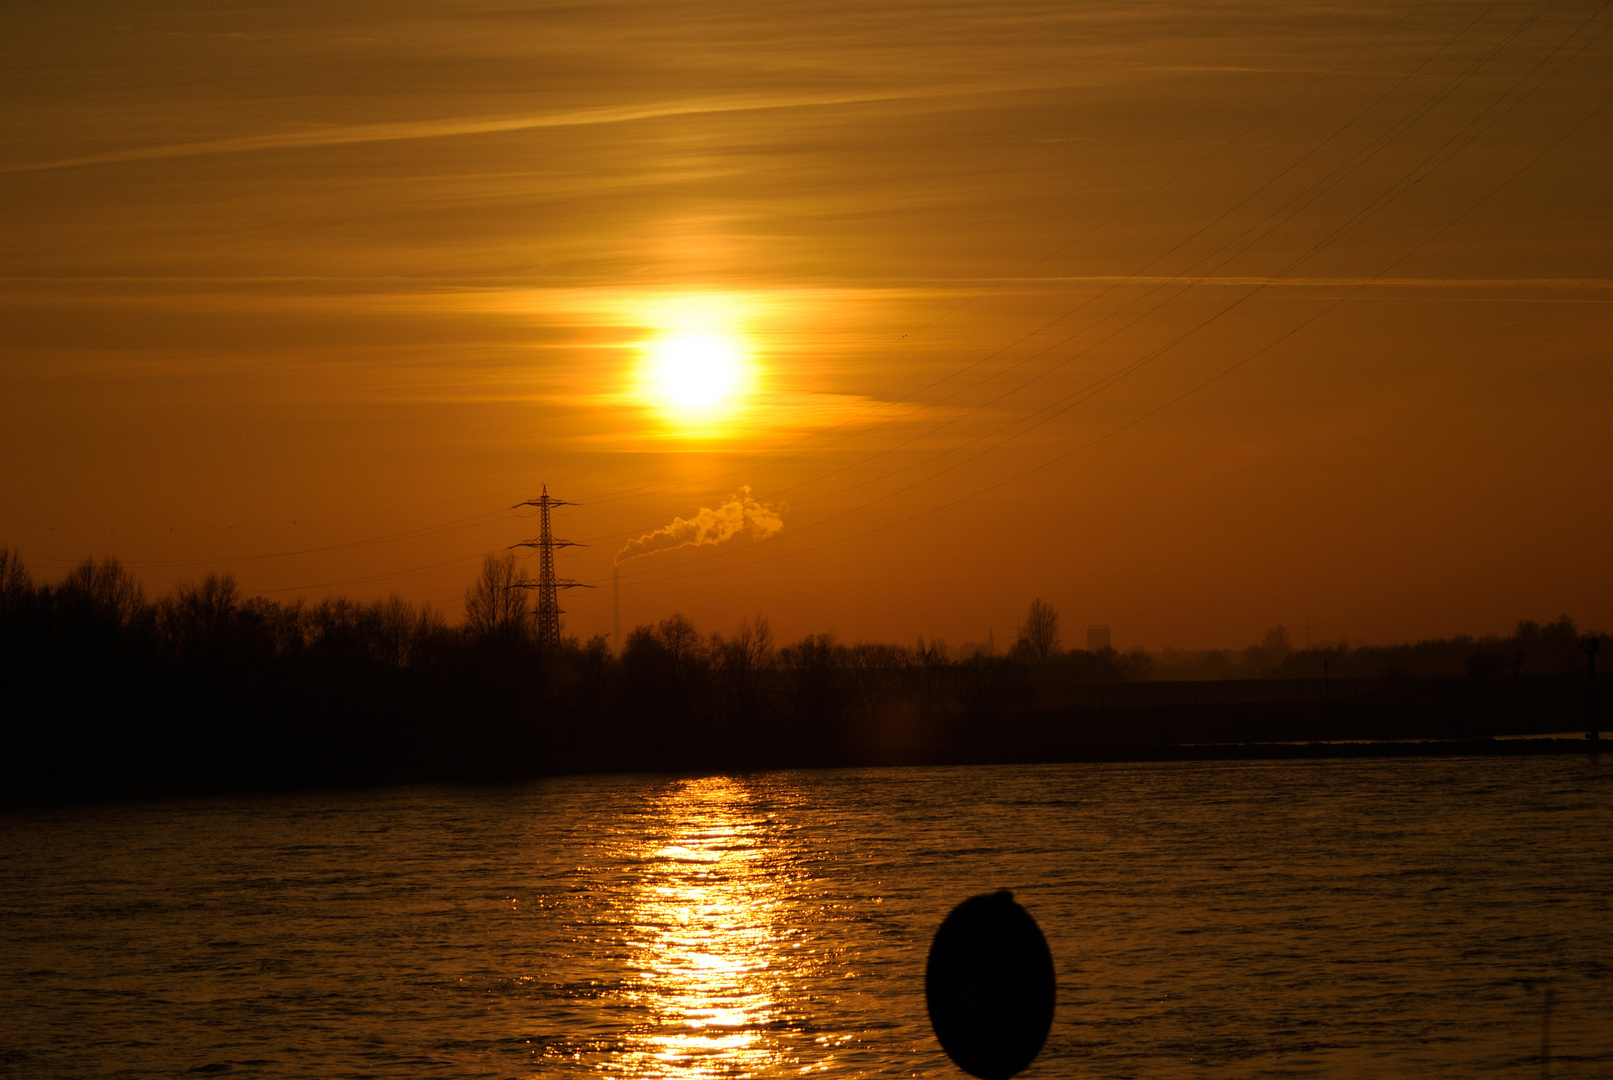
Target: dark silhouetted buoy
989,986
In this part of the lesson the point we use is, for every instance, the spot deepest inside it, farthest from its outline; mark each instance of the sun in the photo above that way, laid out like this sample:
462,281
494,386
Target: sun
696,375
697,367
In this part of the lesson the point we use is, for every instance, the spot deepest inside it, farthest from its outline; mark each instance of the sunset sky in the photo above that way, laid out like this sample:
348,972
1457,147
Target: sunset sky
1191,319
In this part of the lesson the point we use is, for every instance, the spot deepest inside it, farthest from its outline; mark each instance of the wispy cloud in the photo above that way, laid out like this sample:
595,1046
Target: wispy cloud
400,130
1325,282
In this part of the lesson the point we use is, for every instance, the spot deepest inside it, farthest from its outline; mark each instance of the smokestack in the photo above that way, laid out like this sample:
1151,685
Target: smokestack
616,606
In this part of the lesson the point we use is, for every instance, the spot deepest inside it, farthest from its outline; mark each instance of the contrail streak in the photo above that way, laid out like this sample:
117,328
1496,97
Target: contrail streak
394,131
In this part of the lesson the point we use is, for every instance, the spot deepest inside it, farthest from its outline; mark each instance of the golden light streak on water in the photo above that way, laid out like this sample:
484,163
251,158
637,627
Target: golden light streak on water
707,956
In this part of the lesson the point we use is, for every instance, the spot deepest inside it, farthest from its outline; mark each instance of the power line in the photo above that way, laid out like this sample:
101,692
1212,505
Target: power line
1315,190
488,517
735,470
1202,385
492,515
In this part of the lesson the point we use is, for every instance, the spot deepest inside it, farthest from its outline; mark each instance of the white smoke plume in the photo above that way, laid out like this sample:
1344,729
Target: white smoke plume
741,513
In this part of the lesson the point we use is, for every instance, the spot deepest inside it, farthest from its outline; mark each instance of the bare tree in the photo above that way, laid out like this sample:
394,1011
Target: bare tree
1039,634
740,662
681,640
877,674
754,640
496,602
197,616
14,580
283,626
671,665
933,667
404,633
813,669
108,588
1276,642
988,686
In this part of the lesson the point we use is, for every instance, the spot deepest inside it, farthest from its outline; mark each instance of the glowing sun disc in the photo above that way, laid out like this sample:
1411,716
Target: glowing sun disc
696,371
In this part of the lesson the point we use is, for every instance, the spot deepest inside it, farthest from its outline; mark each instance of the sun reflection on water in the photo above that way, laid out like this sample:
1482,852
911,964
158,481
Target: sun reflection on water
707,953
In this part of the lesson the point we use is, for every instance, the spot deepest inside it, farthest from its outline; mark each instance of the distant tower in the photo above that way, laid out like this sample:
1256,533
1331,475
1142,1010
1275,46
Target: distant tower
1098,638
548,585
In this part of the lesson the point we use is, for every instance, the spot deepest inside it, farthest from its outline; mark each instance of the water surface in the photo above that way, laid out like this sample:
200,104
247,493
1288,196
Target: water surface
1322,918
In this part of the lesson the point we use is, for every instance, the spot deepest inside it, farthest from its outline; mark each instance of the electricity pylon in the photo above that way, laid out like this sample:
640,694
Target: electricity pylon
548,585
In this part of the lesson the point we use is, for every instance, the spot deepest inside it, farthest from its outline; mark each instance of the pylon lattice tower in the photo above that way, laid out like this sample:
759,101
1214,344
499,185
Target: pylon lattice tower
548,585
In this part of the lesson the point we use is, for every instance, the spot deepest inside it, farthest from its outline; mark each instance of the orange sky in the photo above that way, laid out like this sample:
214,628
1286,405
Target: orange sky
1190,321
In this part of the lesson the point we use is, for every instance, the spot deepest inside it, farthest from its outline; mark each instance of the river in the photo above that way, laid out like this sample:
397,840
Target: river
1348,918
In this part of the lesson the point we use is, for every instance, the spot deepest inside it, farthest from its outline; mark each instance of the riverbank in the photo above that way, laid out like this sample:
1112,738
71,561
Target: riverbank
178,761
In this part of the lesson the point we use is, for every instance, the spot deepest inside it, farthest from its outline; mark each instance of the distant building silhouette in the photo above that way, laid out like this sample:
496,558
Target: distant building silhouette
1098,638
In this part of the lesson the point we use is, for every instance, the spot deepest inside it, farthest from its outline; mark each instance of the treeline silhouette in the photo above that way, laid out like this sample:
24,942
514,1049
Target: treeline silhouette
1532,649
109,694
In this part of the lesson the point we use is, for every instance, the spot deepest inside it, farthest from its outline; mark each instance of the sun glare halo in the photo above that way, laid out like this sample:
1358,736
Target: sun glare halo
696,372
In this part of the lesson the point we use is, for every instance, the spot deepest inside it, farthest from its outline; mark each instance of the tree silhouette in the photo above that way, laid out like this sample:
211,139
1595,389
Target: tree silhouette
740,663
1277,642
107,589
199,618
495,603
15,584
1039,633
878,674
210,690
812,670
